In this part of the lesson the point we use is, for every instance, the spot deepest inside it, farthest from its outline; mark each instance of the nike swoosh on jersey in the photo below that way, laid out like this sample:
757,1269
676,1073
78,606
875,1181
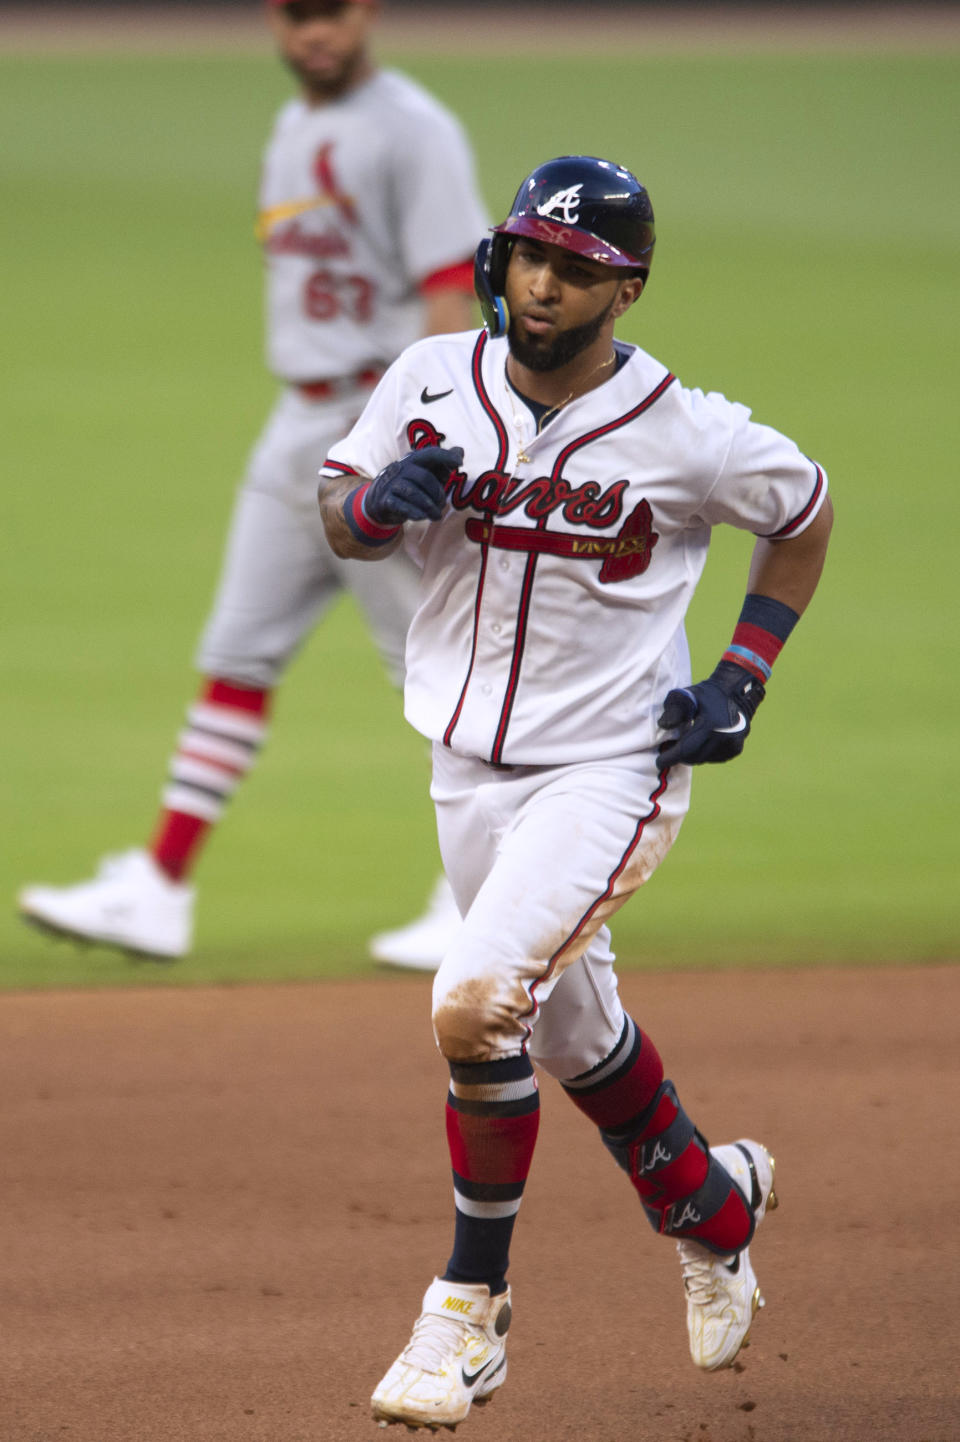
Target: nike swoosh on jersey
733,730
426,398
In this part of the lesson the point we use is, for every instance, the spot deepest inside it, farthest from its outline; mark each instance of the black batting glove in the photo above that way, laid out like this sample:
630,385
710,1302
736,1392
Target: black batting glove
711,719
412,489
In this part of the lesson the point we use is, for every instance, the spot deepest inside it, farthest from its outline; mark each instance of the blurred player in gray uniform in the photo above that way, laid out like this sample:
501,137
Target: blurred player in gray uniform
369,218
569,484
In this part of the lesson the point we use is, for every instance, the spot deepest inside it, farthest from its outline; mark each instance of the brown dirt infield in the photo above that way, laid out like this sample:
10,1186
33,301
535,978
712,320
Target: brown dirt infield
221,1207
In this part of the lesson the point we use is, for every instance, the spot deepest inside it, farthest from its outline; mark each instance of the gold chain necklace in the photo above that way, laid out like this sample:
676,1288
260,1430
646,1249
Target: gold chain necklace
517,422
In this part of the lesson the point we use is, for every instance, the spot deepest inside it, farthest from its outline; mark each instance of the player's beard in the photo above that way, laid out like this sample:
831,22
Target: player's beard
564,348
335,83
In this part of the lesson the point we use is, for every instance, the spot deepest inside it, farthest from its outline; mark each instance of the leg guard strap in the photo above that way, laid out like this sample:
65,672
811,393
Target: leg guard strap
663,1154
713,1215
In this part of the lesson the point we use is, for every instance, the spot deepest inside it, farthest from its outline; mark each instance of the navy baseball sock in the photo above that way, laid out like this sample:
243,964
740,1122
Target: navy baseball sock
493,1113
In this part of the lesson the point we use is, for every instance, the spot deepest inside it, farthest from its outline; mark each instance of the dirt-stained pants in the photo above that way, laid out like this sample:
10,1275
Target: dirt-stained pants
539,858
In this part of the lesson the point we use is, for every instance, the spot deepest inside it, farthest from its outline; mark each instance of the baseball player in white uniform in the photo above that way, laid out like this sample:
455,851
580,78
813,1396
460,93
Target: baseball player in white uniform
369,219
558,489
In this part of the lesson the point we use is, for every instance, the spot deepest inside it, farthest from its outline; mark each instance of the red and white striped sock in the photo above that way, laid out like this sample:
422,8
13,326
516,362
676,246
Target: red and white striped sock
226,726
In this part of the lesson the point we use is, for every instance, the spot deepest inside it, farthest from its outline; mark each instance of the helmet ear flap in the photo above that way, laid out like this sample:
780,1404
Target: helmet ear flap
490,282
500,248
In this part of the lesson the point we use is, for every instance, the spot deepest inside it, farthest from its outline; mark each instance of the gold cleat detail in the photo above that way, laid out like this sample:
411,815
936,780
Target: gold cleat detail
773,1201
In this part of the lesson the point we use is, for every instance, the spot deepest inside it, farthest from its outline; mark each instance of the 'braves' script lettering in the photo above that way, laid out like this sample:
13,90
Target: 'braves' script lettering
496,493
422,433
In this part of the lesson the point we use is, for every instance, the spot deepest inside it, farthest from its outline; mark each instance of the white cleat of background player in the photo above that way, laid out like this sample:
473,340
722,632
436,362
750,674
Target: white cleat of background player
130,904
133,906
421,945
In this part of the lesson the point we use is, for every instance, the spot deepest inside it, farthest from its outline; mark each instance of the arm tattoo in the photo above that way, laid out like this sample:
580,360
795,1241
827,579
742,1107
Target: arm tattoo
343,542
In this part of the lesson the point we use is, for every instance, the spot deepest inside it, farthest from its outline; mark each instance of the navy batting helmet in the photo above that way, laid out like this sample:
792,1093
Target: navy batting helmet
593,207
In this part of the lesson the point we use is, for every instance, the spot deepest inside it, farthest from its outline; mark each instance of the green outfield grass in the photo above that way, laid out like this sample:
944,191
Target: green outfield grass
808,228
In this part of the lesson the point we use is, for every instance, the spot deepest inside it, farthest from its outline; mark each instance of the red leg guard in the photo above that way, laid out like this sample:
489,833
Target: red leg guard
685,1192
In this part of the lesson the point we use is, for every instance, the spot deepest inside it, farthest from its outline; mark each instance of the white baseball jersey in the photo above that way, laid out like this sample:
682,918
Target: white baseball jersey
553,593
361,199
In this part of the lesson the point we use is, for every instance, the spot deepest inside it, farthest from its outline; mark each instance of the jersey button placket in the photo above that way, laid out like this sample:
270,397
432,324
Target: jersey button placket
493,654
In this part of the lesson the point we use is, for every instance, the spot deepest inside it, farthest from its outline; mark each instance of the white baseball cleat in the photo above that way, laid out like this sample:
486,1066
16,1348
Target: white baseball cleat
456,1356
422,944
130,904
722,1292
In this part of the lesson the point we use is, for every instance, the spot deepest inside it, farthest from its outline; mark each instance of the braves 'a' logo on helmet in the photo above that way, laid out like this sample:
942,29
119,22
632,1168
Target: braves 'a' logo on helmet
563,205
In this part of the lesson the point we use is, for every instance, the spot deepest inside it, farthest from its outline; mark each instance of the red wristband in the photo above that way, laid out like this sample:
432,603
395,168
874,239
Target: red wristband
753,649
360,523
763,627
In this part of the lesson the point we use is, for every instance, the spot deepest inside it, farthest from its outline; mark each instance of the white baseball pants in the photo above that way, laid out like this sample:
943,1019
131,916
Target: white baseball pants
539,859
